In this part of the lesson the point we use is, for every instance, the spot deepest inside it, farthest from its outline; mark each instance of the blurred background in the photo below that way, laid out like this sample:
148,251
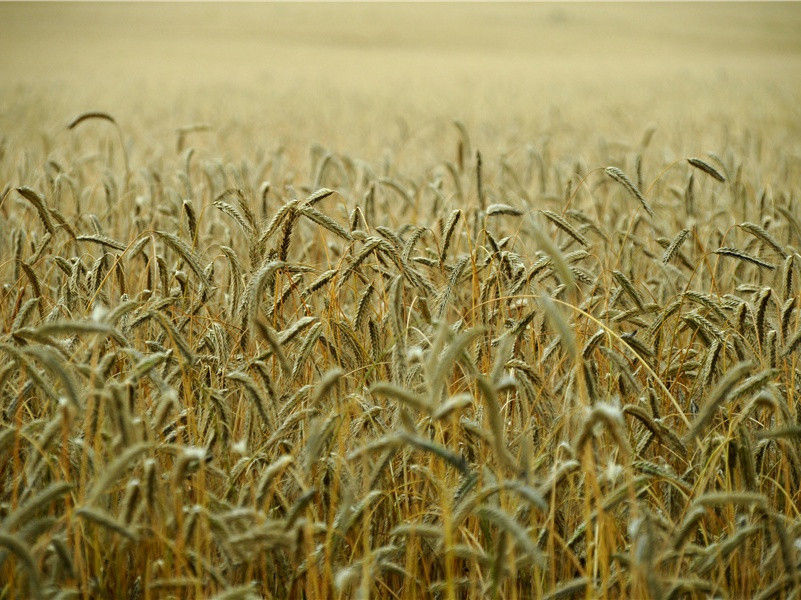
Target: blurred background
363,78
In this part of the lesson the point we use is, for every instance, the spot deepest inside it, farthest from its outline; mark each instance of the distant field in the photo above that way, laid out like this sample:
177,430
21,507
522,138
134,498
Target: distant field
345,74
321,301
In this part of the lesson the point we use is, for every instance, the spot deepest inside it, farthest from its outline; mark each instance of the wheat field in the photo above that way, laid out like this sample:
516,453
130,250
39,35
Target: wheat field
400,301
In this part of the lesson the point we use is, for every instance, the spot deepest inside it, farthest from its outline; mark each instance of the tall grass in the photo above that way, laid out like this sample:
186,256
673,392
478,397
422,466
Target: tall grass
504,377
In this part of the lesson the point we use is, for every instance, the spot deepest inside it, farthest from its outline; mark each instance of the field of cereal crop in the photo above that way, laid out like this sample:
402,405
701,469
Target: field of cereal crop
400,301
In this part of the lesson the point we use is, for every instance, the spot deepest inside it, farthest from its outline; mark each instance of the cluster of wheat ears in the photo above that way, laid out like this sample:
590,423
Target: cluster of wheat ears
497,378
